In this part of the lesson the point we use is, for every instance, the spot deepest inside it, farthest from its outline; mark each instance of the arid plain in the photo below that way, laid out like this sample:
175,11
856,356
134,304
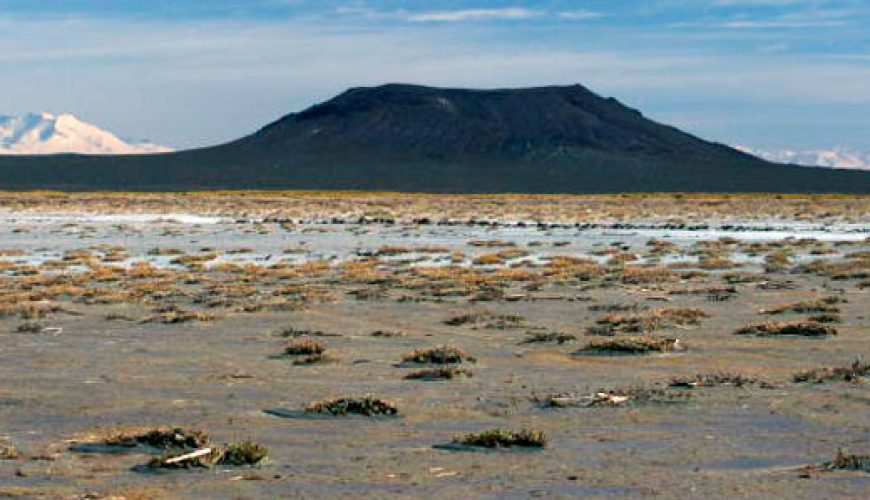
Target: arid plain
260,344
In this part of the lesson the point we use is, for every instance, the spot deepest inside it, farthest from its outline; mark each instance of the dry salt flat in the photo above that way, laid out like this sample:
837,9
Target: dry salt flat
244,347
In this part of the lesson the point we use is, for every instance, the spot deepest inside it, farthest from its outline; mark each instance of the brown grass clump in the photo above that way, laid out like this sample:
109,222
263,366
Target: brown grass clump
142,270
779,328
712,380
8,451
644,323
621,258
855,266
292,332
638,275
439,355
567,267
367,406
28,310
544,337
487,319
716,263
844,461
448,372
243,453
738,278
632,346
491,243
489,259
824,305
611,308
388,334
825,318
173,317
316,359
30,328
194,260
232,455
777,261
157,251
855,372
502,438
161,437
304,347
205,458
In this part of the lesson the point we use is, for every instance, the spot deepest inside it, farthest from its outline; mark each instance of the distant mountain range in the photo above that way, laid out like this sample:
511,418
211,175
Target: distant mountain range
45,133
414,138
832,158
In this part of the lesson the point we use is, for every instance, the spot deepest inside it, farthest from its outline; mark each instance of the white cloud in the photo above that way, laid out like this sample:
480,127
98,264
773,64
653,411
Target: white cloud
757,3
474,15
579,14
778,24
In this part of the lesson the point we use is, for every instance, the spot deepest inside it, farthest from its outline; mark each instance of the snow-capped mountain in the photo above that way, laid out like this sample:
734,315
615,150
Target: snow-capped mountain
45,133
833,158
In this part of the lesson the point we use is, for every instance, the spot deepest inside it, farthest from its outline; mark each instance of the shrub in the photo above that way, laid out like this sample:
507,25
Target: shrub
825,305
632,345
163,438
851,373
794,328
316,359
243,453
304,347
439,355
441,373
713,379
501,438
368,406
542,337
843,461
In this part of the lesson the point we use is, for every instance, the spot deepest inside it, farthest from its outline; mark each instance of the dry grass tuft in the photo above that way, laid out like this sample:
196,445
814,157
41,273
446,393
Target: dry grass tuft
713,379
439,355
304,347
844,461
855,372
441,373
644,323
501,438
793,328
367,406
824,305
161,437
544,337
632,346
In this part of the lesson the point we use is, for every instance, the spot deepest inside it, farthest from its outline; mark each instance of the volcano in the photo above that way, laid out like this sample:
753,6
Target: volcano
561,139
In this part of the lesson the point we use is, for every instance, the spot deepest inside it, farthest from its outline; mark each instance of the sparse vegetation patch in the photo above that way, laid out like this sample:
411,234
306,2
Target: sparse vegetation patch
855,372
502,438
448,372
304,347
368,406
713,380
544,337
165,438
846,461
632,346
439,355
793,328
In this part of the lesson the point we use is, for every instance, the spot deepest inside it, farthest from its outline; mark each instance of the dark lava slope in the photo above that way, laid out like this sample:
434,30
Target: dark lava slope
413,138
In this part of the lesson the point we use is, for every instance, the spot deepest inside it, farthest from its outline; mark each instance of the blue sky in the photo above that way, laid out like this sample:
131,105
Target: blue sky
770,74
